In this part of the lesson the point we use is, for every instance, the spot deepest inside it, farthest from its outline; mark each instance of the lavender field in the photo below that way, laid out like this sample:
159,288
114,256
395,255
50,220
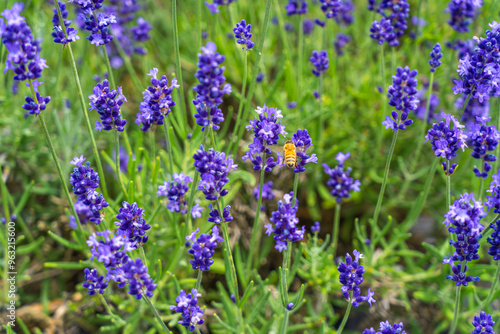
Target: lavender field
234,166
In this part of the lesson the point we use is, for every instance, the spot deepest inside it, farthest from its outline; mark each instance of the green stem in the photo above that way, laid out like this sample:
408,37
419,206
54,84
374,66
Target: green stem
229,255
346,316
108,66
198,280
455,314
200,22
84,108
481,188
256,231
488,226
242,101
117,162
143,256
384,183
178,64
295,186
335,234
384,104
106,305
156,314
5,199
256,69
466,103
284,283
169,146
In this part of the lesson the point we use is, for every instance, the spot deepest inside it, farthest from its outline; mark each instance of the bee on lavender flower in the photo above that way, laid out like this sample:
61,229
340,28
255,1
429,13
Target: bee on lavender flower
293,153
289,151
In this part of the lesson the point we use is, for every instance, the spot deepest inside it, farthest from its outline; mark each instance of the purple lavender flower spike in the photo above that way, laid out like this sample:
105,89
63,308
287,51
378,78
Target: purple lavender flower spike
383,32
402,96
463,220
132,225
462,13
58,32
266,128
331,8
22,50
483,324
96,22
157,101
302,142
320,62
484,139
203,248
95,283
494,241
493,201
242,34
285,223
139,282
187,305
175,192
214,216
33,107
340,183
108,102
307,26
85,181
436,56
111,252
345,17
351,276
393,23
316,227
386,328
296,7
446,140
213,167
211,87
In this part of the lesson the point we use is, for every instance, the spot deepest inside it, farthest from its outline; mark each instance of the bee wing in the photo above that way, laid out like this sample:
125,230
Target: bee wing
303,149
276,148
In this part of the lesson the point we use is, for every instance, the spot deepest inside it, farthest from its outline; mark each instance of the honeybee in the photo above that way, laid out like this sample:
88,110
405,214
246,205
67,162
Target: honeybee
289,151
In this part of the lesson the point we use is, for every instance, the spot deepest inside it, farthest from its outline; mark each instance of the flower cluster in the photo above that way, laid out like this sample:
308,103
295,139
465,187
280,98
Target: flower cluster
483,324
344,16
393,23
331,8
494,241
296,7
402,96
58,32
483,139
316,227
112,253
85,181
32,106
203,248
302,142
267,192
436,56
242,34
132,224
108,102
340,43
216,218
94,282
340,182
480,71
463,220
23,56
157,101
83,212
211,87
446,140
214,6
386,328
320,62
175,191
266,128
213,167
351,276
462,13
128,30
307,26
97,23
187,305
285,223
464,47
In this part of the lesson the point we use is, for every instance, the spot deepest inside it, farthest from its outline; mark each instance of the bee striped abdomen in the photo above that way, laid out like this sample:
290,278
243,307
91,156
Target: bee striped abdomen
290,160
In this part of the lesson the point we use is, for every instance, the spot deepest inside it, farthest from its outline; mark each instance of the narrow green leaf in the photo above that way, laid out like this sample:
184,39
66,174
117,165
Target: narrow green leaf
65,242
223,324
24,198
26,249
247,294
67,265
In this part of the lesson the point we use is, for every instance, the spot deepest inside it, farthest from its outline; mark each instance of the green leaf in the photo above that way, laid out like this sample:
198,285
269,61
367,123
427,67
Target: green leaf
68,265
26,249
65,242
247,294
